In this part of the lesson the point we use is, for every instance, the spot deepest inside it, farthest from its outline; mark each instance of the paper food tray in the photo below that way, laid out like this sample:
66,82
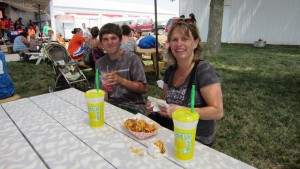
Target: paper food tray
142,135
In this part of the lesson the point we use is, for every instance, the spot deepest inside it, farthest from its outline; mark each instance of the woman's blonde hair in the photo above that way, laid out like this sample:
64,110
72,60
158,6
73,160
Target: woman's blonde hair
32,37
185,28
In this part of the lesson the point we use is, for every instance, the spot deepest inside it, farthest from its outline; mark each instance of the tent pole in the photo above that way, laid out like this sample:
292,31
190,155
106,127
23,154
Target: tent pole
156,46
40,24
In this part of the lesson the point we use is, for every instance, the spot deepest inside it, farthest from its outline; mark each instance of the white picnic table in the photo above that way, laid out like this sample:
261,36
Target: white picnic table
39,55
52,131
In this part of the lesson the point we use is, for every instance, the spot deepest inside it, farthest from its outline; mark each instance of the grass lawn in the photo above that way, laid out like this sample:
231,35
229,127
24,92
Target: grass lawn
261,93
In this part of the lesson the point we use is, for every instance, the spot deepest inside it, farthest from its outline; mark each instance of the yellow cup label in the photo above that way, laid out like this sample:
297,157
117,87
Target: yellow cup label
183,142
94,113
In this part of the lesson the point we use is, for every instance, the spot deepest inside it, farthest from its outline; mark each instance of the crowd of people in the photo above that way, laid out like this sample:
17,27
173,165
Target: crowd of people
112,50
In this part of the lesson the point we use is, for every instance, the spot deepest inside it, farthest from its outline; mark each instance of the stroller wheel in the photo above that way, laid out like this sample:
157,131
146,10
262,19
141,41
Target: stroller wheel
51,88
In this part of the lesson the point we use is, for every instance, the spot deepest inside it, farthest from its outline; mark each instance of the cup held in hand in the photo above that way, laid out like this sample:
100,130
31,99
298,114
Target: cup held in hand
106,85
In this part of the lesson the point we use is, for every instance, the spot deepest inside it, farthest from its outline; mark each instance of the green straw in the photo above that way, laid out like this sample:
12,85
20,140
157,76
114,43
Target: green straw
193,99
97,79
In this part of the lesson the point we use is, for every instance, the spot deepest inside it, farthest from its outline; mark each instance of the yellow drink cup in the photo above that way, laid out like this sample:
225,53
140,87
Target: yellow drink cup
95,104
185,125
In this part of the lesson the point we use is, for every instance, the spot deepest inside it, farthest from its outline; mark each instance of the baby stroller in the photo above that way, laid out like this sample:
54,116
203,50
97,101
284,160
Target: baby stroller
67,73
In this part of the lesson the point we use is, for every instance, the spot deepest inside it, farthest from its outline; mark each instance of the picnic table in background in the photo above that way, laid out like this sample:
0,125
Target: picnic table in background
39,54
152,51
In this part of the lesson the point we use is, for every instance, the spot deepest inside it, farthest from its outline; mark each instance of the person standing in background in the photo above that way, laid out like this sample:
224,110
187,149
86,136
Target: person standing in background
85,31
37,32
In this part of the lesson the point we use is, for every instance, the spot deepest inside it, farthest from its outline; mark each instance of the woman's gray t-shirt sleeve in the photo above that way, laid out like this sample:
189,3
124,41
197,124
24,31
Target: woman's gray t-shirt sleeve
205,75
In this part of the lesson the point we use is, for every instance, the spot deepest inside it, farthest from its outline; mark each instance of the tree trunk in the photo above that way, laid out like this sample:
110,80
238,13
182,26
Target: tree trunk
213,45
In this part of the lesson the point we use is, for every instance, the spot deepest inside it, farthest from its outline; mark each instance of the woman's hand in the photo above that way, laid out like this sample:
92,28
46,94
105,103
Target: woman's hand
167,111
149,108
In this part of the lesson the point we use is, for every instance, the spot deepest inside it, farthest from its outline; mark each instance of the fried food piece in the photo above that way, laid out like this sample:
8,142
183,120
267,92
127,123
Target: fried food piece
135,150
130,123
161,146
139,125
138,151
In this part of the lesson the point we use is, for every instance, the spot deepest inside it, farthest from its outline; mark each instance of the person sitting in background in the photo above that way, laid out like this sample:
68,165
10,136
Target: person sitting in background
8,23
60,39
137,36
7,88
76,47
21,43
93,49
52,36
31,30
33,43
123,70
184,52
18,25
32,24
147,42
20,30
12,34
128,43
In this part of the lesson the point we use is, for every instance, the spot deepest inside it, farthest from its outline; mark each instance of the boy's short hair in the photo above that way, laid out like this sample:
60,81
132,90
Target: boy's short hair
110,28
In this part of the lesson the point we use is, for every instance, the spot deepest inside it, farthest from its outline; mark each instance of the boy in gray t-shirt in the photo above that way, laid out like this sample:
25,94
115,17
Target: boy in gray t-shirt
123,70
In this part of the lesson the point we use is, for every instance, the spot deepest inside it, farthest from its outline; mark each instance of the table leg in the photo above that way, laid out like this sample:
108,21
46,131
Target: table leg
39,60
